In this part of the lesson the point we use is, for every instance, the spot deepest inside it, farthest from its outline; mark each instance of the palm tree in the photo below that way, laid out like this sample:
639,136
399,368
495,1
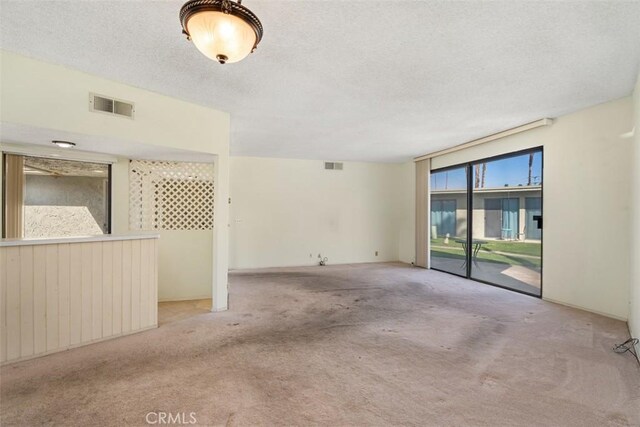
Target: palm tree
529,181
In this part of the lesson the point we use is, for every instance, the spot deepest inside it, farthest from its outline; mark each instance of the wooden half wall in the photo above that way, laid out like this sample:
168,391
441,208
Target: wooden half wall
60,295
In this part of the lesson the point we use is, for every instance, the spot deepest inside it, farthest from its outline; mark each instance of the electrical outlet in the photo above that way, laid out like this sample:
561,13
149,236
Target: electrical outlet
376,253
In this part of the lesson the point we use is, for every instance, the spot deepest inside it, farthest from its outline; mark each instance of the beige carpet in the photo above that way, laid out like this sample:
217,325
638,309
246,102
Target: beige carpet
169,312
373,344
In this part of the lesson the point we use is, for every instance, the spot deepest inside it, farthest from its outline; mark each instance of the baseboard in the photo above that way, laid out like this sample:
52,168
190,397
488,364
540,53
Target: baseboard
82,344
612,316
330,264
184,299
313,264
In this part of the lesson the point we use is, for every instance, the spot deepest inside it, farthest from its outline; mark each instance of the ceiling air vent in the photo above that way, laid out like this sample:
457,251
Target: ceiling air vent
336,166
104,104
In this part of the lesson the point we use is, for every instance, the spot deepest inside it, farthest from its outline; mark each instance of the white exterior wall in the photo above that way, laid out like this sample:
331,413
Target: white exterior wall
479,213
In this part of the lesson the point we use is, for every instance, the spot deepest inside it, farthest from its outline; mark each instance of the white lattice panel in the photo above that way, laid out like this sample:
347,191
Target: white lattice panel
170,195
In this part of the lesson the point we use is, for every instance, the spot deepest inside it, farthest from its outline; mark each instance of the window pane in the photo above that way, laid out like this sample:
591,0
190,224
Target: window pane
449,220
507,199
65,198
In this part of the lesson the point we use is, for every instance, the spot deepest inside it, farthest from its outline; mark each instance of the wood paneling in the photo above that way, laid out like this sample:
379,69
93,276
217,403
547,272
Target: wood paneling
12,302
75,294
61,295
64,298
26,300
3,308
96,289
39,299
86,288
52,301
126,286
107,289
136,270
117,288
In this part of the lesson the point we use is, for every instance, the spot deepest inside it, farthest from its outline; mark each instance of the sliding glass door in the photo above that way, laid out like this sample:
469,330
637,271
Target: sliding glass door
449,220
501,244
507,207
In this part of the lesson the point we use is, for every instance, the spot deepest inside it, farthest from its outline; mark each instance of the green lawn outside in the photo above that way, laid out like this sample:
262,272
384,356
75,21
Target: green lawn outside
522,248
511,252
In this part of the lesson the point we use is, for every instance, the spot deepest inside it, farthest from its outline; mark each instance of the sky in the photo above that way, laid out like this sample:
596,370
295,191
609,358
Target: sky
512,171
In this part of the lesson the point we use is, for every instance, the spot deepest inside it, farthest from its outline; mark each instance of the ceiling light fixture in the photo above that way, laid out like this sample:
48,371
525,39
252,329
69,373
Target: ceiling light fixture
64,144
223,30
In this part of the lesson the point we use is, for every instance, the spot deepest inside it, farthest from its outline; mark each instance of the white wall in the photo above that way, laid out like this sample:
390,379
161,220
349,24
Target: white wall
55,97
185,257
634,289
46,96
285,212
587,170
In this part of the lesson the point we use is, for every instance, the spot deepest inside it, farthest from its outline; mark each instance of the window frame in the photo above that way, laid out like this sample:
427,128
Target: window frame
469,171
108,195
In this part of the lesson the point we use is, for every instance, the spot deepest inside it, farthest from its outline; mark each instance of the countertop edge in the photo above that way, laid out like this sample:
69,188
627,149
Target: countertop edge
80,239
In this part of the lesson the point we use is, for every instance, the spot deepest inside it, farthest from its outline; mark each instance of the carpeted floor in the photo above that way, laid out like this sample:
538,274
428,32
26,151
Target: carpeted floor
169,312
368,344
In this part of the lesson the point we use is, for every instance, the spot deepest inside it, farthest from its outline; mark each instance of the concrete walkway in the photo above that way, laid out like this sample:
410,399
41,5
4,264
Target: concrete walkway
511,276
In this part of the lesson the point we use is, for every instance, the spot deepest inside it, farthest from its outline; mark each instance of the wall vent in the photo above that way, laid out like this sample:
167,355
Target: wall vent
105,104
337,166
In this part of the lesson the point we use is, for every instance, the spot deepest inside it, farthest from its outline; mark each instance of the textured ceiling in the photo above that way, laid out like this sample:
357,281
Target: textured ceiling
358,80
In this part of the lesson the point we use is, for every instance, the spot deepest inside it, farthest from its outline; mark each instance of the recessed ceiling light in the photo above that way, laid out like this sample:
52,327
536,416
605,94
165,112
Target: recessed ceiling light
64,144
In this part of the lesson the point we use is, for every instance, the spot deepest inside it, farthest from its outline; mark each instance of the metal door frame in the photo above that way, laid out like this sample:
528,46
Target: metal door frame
468,168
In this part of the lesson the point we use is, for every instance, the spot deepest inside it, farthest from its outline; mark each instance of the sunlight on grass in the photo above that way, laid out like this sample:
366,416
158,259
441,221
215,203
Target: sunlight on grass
513,253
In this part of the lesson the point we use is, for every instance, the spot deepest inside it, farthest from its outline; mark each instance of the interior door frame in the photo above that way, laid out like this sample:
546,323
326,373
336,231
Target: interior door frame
469,171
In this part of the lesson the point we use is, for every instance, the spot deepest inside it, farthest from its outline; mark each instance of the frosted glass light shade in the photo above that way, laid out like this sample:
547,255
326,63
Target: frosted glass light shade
221,36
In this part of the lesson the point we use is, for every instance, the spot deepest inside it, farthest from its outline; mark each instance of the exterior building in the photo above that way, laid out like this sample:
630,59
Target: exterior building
498,213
